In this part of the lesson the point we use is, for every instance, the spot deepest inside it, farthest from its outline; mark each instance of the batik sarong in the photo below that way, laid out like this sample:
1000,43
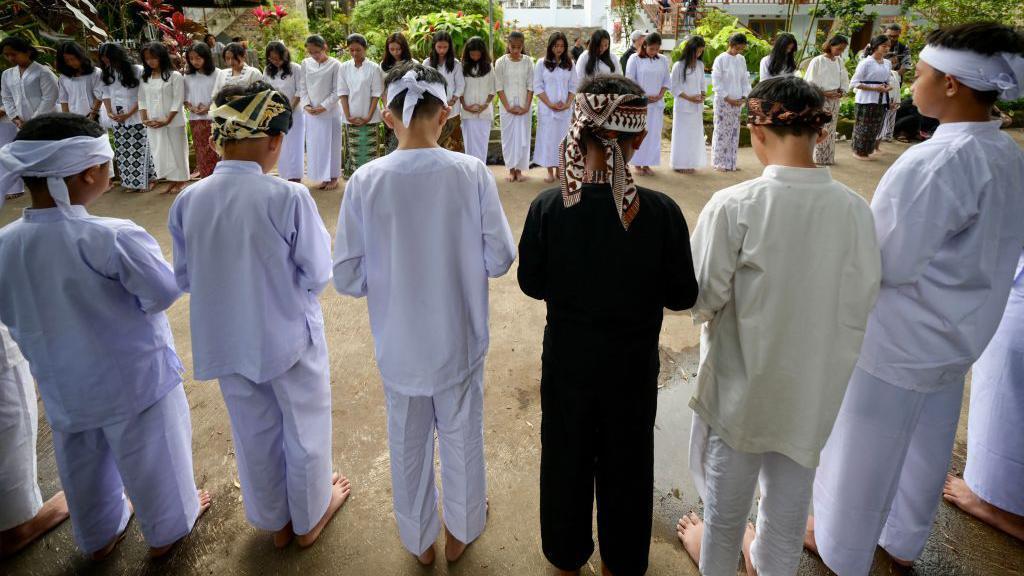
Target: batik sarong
206,156
725,140
825,151
133,157
869,125
359,145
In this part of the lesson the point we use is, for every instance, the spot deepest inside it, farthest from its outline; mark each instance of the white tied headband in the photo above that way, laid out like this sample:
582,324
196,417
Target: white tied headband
1002,72
414,90
53,160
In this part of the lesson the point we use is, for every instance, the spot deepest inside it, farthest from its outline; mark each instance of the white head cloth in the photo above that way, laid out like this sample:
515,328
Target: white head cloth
414,90
53,160
1002,72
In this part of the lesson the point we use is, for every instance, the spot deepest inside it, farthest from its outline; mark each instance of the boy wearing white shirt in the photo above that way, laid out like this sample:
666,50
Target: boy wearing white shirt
90,319
795,251
254,253
948,218
422,256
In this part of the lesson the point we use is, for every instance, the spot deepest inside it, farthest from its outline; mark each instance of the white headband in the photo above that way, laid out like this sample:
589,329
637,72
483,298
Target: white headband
1002,72
53,160
414,90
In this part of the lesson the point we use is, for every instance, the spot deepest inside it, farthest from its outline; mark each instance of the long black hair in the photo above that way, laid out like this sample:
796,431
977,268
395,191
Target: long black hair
19,44
120,66
782,59
563,61
594,50
877,41
204,52
74,49
160,51
449,58
837,40
236,50
390,61
278,47
652,39
689,56
476,68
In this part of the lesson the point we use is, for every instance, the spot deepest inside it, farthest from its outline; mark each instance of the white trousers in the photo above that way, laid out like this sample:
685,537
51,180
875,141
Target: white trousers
290,164
149,456
515,140
282,434
476,135
881,473
19,424
456,415
731,477
323,143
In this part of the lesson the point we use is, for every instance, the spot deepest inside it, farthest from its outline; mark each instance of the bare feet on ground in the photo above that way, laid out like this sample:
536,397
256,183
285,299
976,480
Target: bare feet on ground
511,177
453,547
331,184
340,490
958,493
106,550
283,537
205,500
53,512
427,557
689,530
174,188
748,539
809,541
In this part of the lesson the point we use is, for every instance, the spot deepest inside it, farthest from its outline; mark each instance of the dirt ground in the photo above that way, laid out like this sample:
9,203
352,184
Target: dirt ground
363,538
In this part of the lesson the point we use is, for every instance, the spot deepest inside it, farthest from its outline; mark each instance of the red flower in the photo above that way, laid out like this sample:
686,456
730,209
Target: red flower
432,28
497,25
259,13
280,12
144,5
178,19
459,14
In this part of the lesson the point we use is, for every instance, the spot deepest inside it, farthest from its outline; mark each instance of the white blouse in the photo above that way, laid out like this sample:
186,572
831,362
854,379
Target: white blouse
122,98
729,76
478,90
199,90
30,93
870,72
652,74
600,68
557,84
291,86
828,73
764,74
515,79
456,83
694,84
361,84
80,92
321,83
247,76
159,97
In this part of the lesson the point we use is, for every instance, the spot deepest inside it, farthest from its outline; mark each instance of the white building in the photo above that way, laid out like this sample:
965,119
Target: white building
558,13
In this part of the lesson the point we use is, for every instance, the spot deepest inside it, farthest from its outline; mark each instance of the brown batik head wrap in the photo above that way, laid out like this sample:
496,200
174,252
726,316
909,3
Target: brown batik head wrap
777,115
606,117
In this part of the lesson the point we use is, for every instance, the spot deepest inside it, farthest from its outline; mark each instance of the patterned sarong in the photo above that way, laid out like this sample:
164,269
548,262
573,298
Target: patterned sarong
206,156
133,157
359,145
825,151
869,124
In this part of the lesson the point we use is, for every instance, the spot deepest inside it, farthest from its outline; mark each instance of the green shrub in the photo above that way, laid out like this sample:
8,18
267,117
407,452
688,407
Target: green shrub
390,16
461,27
716,28
293,32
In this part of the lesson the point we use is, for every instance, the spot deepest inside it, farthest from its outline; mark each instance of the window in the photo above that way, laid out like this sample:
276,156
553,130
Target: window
767,28
526,3
570,4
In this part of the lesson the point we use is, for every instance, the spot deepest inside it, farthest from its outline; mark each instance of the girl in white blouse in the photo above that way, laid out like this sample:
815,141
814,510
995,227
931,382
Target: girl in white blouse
597,59
477,112
120,85
161,105
731,81
78,84
781,61
871,81
689,87
554,83
27,89
828,72
650,69
513,81
360,86
238,73
319,99
442,58
200,77
286,77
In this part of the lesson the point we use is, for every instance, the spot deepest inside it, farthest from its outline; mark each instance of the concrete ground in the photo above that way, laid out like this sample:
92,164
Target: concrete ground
363,539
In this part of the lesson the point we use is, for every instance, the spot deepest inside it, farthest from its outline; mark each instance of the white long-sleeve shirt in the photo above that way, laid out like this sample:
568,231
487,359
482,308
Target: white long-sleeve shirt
227,77
199,91
361,84
86,307
123,98
787,268
765,74
159,97
828,73
729,76
455,83
870,72
599,68
515,79
320,81
652,74
422,255
30,93
694,84
557,84
478,90
80,93
253,252
291,86
949,215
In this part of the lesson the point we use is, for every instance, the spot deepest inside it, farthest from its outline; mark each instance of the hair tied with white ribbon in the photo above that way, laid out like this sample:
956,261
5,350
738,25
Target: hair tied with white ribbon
414,90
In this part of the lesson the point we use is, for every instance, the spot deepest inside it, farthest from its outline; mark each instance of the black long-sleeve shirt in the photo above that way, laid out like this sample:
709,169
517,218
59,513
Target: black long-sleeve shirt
596,275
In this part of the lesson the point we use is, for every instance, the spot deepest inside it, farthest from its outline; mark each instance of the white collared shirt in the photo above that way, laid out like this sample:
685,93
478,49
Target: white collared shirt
652,74
455,83
159,97
422,255
321,83
870,70
694,84
787,267
86,307
361,84
199,90
123,98
557,84
254,253
729,76
949,215
478,90
30,93
515,79
291,86
227,77
828,73
80,92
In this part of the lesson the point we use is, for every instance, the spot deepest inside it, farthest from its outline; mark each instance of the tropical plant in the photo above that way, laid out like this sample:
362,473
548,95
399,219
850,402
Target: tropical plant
940,13
293,32
716,31
334,30
39,20
178,31
390,16
627,12
850,15
461,26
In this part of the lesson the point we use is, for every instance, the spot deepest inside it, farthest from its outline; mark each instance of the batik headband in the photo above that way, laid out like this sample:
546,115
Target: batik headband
778,115
1002,72
414,90
53,160
606,117
250,116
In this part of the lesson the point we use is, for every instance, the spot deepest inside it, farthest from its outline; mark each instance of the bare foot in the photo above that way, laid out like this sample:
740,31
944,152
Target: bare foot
690,530
106,550
453,547
958,493
511,177
340,490
809,541
283,537
862,158
205,500
296,180
427,558
331,184
900,562
53,512
549,178
174,188
748,539
194,175
520,177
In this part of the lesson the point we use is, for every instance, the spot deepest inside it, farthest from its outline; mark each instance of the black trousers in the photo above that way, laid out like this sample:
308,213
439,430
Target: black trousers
599,398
